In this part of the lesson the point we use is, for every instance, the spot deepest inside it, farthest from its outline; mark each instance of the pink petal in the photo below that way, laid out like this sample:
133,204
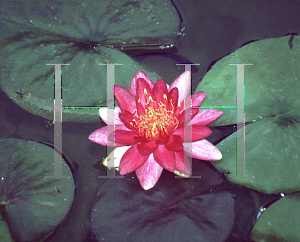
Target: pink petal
202,150
149,173
182,163
147,148
194,100
114,114
183,83
133,83
99,136
165,158
206,117
183,116
193,133
123,137
125,99
175,143
131,160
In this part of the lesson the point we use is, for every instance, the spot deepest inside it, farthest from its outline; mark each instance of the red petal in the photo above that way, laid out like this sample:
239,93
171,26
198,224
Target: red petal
133,83
131,160
165,158
126,117
206,117
149,173
123,137
147,148
175,143
143,92
125,99
173,98
177,111
160,92
182,163
193,133
140,108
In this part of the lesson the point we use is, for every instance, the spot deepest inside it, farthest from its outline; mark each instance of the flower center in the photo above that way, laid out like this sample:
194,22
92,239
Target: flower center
157,122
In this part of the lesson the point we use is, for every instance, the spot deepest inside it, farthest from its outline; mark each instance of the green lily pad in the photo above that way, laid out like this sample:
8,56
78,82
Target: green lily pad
32,205
280,222
272,104
4,232
81,33
270,83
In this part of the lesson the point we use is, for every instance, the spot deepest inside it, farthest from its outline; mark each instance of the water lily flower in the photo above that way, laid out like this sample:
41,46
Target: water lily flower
156,127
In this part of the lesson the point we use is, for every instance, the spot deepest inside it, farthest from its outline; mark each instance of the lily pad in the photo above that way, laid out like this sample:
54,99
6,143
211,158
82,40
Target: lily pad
280,222
83,34
176,209
4,232
271,106
31,204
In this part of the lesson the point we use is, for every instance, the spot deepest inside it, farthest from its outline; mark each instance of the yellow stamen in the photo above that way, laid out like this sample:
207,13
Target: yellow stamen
155,123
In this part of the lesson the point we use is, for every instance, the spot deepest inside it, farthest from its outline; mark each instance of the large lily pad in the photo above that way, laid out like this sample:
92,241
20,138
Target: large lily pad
81,33
31,205
176,209
280,222
272,105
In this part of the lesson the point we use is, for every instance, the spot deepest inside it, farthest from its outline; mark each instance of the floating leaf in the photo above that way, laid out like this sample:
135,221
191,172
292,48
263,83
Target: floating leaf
4,232
280,222
31,204
81,33
272,105
176,209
